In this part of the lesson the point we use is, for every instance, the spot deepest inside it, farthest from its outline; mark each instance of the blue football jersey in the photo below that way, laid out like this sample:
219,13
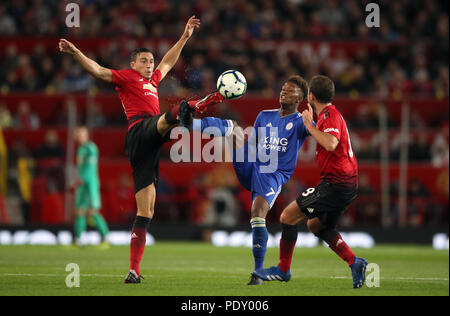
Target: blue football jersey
279,138
271,153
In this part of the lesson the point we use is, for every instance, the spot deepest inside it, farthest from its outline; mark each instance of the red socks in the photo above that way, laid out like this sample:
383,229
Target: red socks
137,244
287,244
339,246
286,252
330,236
172,115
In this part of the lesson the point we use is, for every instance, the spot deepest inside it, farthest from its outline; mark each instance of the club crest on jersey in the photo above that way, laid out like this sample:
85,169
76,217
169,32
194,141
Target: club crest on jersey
289,126
150,87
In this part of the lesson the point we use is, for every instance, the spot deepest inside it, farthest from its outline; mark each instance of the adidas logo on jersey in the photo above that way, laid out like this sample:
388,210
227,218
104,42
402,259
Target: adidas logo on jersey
310,209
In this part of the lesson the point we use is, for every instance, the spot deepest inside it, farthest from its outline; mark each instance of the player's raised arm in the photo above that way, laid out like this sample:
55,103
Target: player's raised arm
88,64
171,57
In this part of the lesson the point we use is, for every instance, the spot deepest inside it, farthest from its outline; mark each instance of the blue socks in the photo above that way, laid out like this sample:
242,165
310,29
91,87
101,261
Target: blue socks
260,236
213,126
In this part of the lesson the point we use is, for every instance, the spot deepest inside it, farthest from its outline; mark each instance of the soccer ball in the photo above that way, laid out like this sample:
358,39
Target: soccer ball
232,84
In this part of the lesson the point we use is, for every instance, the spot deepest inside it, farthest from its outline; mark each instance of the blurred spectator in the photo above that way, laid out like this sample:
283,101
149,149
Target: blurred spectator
196,72
6,119
51,148
365,118
7,23
9,62
95,116
365,149
61,117
419,150
240,34
440,148
20,171
196,197
367,209
417,189
418,200
126,201
441,85
267,41
364,187
50,162
25,118
225,112
223,208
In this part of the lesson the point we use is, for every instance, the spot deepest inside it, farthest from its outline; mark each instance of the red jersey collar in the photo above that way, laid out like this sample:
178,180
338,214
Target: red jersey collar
328,105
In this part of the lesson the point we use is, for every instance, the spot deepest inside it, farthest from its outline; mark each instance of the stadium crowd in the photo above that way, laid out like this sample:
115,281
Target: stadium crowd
411,55
268,41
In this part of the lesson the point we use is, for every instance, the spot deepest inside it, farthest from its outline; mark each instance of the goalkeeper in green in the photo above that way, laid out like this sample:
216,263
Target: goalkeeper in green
87,196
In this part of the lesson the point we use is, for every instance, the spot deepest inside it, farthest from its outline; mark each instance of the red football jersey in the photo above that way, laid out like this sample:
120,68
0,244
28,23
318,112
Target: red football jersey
139,96
338,166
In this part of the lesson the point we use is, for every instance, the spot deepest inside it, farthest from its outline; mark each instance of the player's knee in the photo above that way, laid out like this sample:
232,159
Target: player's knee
315,226
91,213
285,218
80,212
259,212
163,126
146,212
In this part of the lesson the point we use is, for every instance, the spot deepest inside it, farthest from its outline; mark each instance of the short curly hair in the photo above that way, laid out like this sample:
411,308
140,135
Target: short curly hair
299,82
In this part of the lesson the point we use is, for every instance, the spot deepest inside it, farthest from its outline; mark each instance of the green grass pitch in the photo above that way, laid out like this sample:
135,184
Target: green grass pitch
199,269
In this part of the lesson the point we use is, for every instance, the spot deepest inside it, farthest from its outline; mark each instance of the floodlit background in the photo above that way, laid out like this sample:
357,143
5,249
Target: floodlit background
392,88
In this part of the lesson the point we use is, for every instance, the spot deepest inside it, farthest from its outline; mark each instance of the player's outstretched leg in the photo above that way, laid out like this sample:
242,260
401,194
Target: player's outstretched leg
183,113
213,126
201,105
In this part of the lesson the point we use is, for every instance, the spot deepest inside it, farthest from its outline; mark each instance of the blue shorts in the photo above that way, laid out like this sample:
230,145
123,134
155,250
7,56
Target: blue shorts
267,185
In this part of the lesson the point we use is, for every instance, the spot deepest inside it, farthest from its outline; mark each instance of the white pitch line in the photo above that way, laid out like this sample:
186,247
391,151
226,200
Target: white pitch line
60,275
120,276
399,278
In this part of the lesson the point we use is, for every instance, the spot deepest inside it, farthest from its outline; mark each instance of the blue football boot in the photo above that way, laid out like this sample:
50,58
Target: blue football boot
359,272
273,274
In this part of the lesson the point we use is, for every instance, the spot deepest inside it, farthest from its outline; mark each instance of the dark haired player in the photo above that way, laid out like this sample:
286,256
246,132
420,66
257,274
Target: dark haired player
321,207
280,132
148,130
